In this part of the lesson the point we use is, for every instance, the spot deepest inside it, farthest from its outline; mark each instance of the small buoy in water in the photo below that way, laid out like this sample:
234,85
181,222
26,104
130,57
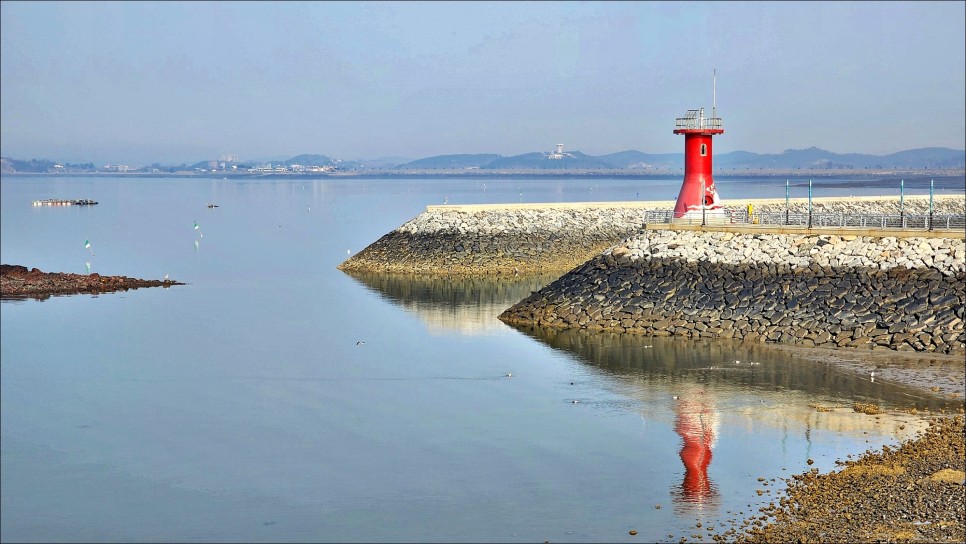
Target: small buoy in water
632,532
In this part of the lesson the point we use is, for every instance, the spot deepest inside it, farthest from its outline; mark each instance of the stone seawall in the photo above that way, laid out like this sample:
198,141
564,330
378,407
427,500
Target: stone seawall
904,294
529,239
503,241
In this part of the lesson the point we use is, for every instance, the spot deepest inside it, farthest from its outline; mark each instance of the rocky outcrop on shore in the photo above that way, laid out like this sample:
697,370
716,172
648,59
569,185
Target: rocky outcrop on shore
904,294
19,282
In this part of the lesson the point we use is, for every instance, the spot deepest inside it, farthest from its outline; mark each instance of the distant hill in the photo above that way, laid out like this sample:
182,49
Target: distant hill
309,160
809,159
449,162
40,166
815,158
574,160
34,165
637,159
383,162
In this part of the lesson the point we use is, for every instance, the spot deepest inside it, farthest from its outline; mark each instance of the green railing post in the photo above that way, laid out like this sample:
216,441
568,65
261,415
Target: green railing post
902,215
786,201
809,203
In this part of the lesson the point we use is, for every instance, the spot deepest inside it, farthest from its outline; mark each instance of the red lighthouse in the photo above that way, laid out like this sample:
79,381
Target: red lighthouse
698,199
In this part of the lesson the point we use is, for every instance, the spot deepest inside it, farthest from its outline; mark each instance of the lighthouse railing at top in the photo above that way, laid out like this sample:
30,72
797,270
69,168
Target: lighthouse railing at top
697,123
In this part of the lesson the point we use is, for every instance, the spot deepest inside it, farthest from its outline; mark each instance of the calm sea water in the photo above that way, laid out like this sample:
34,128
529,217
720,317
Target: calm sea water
275,398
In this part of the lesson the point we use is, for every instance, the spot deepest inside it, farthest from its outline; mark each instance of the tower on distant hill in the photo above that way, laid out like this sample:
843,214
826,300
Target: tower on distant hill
698,199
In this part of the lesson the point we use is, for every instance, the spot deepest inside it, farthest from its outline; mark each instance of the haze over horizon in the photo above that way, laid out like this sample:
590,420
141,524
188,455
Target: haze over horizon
142,82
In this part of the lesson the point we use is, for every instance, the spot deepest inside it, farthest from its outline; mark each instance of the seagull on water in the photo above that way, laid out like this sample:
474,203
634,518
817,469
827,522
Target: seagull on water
360,343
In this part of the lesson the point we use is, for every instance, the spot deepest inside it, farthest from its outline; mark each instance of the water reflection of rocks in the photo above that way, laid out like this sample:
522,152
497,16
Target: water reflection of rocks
466,305
728,366
700,386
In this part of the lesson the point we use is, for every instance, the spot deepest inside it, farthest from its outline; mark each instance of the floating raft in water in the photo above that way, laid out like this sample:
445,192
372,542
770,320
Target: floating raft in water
59,202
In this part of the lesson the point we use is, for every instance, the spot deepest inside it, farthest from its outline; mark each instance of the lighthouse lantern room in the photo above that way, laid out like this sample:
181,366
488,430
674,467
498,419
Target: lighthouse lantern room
698,200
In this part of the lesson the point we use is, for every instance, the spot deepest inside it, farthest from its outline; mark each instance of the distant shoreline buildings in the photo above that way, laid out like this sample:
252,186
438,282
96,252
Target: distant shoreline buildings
793,162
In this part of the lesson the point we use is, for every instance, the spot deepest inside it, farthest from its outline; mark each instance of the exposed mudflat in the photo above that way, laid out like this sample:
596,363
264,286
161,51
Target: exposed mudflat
934,374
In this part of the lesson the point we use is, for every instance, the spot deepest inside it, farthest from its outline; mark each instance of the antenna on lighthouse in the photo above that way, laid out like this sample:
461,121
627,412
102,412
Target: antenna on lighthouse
714,94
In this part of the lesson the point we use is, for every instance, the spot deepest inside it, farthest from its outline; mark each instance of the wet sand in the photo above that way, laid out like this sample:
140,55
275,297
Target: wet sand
936,375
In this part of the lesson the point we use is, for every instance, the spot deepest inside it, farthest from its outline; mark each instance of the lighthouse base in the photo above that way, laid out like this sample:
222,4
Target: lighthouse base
714,216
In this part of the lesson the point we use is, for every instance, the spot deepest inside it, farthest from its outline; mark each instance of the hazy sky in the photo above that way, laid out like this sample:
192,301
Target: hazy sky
138,82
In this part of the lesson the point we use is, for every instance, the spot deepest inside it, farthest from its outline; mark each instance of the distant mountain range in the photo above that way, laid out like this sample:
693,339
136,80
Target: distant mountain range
813,158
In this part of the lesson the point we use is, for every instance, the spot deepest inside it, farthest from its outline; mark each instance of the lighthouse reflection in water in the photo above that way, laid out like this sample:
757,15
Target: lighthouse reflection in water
696,422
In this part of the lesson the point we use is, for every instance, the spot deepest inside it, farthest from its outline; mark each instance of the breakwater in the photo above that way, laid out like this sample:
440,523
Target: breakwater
900,290
500,240
525,239
877,292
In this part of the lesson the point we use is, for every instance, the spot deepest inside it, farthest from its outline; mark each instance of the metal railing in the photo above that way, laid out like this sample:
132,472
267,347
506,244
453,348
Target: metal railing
695,119
820,220
810,218
688,123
